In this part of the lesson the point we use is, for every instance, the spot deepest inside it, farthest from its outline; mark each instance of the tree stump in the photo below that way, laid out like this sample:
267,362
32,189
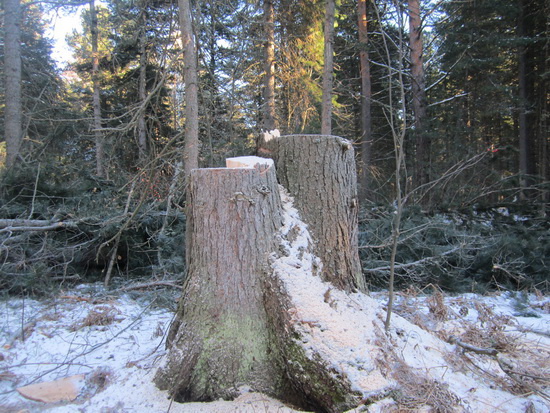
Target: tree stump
238,325
219,340
319,172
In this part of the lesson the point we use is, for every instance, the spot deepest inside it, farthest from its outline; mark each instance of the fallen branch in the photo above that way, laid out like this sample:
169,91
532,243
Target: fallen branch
474,349
170,283
534,331
412,264
508,368
18,225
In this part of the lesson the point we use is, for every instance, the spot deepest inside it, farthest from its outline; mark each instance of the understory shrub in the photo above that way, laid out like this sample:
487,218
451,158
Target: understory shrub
472,250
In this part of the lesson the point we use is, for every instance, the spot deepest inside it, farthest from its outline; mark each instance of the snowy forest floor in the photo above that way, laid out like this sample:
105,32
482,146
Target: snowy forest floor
115,342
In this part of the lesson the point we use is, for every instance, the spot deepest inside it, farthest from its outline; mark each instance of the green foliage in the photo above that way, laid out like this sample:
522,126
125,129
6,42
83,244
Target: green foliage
521,304
468,251
43,92
35,261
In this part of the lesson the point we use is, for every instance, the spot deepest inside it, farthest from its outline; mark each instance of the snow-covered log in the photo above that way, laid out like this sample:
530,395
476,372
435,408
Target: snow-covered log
328,340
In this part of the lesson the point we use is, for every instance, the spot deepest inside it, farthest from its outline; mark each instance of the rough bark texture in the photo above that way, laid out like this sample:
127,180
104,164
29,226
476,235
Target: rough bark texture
12,64
142,89
328,69
366,96
422,161
319,172
269,67
191,149
96,104
220,338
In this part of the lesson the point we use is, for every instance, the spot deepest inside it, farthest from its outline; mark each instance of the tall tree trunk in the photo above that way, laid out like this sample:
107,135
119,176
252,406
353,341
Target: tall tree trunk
96,103
191,148
13,132
319,172
544,112
220,339
269,115
142,90
366,96
328,69
526,115
422,159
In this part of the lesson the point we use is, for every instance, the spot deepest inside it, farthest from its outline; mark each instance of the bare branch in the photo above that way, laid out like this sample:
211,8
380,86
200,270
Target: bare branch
474,349
414,263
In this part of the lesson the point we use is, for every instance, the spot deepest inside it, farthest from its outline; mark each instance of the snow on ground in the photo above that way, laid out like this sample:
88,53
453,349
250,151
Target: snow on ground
118,355
116,341
416,355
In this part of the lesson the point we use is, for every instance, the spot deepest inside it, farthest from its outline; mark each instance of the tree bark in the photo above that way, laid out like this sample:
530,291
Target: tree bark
269,67
328,69
527,167
96,103
366,96
142,86
12,66
422,160
191,148
319,172
220,340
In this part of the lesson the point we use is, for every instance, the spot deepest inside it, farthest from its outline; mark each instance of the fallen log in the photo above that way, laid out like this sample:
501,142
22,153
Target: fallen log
19,225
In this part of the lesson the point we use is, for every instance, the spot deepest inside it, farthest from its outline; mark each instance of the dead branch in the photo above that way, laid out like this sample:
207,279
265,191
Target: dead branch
169,283
114,253
11,225
474,349
515,376
534,331
401,240
412,264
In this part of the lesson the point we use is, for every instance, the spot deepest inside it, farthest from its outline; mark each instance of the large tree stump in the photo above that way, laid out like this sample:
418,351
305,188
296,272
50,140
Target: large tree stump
319,172
241,322
219,339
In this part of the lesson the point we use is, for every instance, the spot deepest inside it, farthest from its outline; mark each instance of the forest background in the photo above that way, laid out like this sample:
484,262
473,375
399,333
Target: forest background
446,103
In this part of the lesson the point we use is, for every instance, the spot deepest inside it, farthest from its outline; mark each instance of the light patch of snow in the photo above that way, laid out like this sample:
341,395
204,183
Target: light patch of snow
127,351
503,211
347,332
